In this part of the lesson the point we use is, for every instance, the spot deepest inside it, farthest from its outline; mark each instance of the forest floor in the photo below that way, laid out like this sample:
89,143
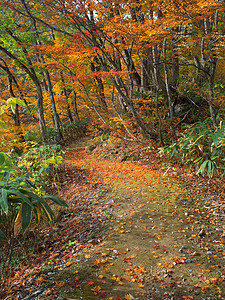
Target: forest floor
133,230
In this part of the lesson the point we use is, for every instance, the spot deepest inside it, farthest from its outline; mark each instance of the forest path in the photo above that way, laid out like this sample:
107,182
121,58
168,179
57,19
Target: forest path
144,236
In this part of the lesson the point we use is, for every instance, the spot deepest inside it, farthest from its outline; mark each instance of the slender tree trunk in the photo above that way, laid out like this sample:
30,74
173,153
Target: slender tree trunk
159,117
32,74
69,114
134,76
130,105
154,66
201,65
74,99
99,84
211,91
167,83
41,112
119,116
16,115
94,107
75,106
54,111
10,75
175,70
155,80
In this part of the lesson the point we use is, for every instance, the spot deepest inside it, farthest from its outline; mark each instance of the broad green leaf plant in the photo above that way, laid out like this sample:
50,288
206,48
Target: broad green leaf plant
202,145
18,200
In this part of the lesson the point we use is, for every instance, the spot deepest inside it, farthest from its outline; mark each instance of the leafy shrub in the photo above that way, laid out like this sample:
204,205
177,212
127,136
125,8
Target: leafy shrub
70,130
40,161
51,134
23,197
18,200
33,135
200,144
74,129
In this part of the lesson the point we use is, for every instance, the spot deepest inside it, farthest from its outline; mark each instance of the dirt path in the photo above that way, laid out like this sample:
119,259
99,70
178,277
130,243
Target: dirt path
130,233
148,237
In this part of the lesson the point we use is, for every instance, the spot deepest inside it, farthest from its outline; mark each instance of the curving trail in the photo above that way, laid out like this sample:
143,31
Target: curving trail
158,241
130,233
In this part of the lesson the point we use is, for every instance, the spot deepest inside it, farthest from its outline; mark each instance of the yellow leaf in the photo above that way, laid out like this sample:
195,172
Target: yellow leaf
140,285
32,179
60,284
48,292
17,223
39,280
97,288
38,209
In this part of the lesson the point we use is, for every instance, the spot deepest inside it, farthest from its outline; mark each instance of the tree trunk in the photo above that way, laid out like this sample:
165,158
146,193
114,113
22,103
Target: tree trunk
99,83
41,112
75,106
54,111
211,91
16,115
130,105
69,114
134,76
156,82
175,70
167,83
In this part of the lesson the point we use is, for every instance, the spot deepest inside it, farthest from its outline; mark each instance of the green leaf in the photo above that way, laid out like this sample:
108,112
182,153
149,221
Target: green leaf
202,167
198,160
2,125
7,175
2,110
20,102
56,200
47,210
198,139
2,158
25,216
41,171
21,196
210,168
34,197
2,236
13,101
4,200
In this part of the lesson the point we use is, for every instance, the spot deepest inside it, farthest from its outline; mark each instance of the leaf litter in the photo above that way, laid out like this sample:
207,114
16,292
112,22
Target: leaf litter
131,232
